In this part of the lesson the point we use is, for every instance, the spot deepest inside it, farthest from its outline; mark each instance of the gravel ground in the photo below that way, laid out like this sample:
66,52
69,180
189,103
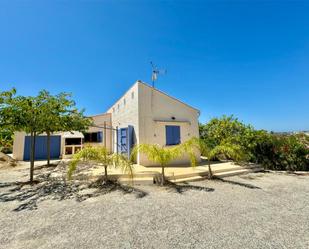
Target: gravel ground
262,210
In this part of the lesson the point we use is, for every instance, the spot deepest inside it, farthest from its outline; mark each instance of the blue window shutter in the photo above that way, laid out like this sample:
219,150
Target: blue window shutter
172,134
130,139
100,136
118,140
169,135
176,134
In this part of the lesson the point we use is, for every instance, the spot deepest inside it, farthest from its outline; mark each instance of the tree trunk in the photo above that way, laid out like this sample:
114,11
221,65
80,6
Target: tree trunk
210,175
48,148
105,172
163,175
32,155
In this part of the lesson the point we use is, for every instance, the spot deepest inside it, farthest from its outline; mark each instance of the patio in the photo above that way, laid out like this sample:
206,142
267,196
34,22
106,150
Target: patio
175,173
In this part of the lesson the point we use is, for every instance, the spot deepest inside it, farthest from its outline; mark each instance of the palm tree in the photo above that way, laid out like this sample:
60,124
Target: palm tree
163,155
100,155
230,150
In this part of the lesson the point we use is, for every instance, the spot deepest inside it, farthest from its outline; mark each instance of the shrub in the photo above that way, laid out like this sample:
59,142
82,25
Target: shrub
6,141
276,152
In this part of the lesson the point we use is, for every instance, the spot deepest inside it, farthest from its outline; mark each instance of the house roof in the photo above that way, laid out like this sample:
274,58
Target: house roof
147,85
72,134
97,115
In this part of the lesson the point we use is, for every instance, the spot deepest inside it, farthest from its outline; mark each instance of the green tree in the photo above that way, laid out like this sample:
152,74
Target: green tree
21,113
42,113
60,114
229,130
100,156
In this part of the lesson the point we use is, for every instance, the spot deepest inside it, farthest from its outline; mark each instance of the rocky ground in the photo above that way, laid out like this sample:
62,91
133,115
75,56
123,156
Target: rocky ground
262,210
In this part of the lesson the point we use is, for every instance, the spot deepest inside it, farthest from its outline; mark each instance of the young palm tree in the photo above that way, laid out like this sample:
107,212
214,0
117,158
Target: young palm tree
157,154
100,155
229,150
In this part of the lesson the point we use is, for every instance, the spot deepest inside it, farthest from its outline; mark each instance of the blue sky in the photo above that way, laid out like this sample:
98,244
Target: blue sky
247,58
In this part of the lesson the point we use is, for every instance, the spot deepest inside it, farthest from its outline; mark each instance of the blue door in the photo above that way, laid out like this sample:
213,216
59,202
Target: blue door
41,147
125,140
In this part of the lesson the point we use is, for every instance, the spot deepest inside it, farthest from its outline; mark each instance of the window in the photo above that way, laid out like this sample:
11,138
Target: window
132,95
172,133
118,107
93,137
124,101
113,109
73,141
69,150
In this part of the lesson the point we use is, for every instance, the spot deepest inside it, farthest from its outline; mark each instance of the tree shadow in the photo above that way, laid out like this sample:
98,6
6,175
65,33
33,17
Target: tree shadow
110,186
45,166
246,185
181,188
31,194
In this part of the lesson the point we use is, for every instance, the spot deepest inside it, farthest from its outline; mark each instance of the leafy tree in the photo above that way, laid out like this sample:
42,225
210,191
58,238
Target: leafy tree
42,113
100,156
226,129
21,113
60,114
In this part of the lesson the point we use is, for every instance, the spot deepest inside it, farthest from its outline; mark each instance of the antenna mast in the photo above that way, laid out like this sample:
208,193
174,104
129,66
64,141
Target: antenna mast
156,72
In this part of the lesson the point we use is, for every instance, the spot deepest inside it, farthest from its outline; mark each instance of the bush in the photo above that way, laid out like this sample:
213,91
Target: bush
6,141
276,152
279,152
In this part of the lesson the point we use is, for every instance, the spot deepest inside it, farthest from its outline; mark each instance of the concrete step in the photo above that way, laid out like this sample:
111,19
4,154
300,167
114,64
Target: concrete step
137,181
221,174
235,167
186,175
237,172
205,173
189,179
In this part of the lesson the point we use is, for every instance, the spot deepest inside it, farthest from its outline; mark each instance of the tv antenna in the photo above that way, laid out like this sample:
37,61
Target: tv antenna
156,72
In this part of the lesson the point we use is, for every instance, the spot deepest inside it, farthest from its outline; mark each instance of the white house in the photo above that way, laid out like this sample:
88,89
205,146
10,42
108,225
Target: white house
146,115
142,115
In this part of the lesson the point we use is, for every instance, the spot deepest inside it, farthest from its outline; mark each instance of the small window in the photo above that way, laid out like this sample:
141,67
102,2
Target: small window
73,141
172,133
69,150
132,95
124,101
113,109
118,106
93,137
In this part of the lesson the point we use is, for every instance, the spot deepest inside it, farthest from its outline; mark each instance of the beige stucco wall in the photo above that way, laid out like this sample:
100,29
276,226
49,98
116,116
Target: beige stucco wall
125,112
156,107
149,111
18,145
101,120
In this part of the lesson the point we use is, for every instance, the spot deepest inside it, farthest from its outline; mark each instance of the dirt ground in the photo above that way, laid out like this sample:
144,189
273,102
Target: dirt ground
260,210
